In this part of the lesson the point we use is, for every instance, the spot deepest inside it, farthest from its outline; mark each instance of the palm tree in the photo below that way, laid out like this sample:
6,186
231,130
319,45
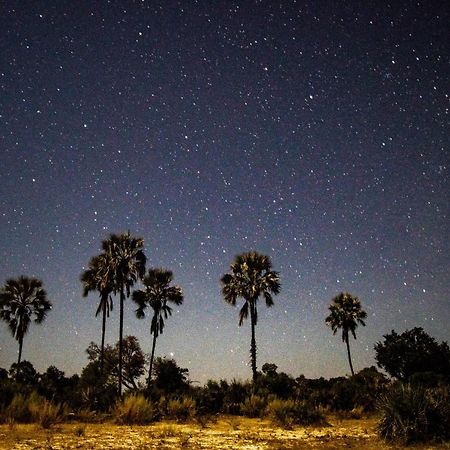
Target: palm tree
345,314
127,264
20,300
157,294
98,277
250,277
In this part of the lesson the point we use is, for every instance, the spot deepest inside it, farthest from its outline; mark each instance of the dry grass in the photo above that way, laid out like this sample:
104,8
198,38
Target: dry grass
225,433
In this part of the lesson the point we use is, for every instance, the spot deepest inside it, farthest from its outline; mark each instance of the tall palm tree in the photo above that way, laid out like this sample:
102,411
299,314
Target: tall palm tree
22,299
157,294
251,276
127,264
98,277
345,314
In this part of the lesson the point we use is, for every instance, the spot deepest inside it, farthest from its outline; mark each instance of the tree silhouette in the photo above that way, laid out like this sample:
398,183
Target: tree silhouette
98,277
251,276
345,314
127,264
22,299
157,294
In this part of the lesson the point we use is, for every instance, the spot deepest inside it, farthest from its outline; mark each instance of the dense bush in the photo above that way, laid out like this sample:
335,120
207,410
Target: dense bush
134,409
414,414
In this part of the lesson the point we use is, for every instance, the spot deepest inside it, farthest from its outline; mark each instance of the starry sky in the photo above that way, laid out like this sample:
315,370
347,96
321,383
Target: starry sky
313,132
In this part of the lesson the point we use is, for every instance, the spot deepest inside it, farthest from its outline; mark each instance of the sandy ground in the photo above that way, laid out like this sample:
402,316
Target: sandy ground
226,433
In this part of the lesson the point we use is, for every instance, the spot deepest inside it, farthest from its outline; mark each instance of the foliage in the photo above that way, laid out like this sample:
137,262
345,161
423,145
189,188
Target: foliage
133,361
135,409
251,277
270,382
345,314
21,300
181,409
24,373
253,406
414,414
169,377
414,351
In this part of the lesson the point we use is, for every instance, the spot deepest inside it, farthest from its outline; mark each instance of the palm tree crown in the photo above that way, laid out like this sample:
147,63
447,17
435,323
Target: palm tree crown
345,314
251,276
157,294
20,300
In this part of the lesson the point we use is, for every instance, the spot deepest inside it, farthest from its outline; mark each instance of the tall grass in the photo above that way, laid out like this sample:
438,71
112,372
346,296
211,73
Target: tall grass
35,408
253,406
289,412
181,409
134,409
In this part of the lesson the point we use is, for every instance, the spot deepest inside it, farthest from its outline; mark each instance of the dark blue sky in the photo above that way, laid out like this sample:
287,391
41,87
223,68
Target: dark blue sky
314,132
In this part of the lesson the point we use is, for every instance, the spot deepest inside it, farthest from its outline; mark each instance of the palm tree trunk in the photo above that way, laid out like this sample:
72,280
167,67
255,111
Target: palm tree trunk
349,357
121,339
20,349
253,341
151,361
102,353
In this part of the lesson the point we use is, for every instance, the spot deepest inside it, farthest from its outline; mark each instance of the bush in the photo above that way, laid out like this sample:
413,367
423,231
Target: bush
253,406
134,409
18,410
289,412
414,414
181,409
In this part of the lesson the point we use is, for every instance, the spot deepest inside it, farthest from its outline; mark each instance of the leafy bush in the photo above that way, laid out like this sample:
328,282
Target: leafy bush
289,412
181,409
413,414
253,406
134,409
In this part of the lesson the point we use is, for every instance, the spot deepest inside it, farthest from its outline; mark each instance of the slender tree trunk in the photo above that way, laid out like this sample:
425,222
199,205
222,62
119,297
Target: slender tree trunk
102,353
121,339
151,361
349,357
20,349
253,342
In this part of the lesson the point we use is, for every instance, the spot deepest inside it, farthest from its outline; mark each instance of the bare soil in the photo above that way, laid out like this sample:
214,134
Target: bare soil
231,433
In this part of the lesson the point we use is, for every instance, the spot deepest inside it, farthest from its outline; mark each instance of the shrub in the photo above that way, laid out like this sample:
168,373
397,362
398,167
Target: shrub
289,412
413,414
181,409
253,406
134,409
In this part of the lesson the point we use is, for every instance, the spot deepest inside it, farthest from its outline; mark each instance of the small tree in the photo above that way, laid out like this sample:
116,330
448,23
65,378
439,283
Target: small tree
345,314
157,294
21,300
250,278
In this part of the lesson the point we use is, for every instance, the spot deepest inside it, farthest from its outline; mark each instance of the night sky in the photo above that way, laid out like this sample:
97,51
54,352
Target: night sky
313,132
